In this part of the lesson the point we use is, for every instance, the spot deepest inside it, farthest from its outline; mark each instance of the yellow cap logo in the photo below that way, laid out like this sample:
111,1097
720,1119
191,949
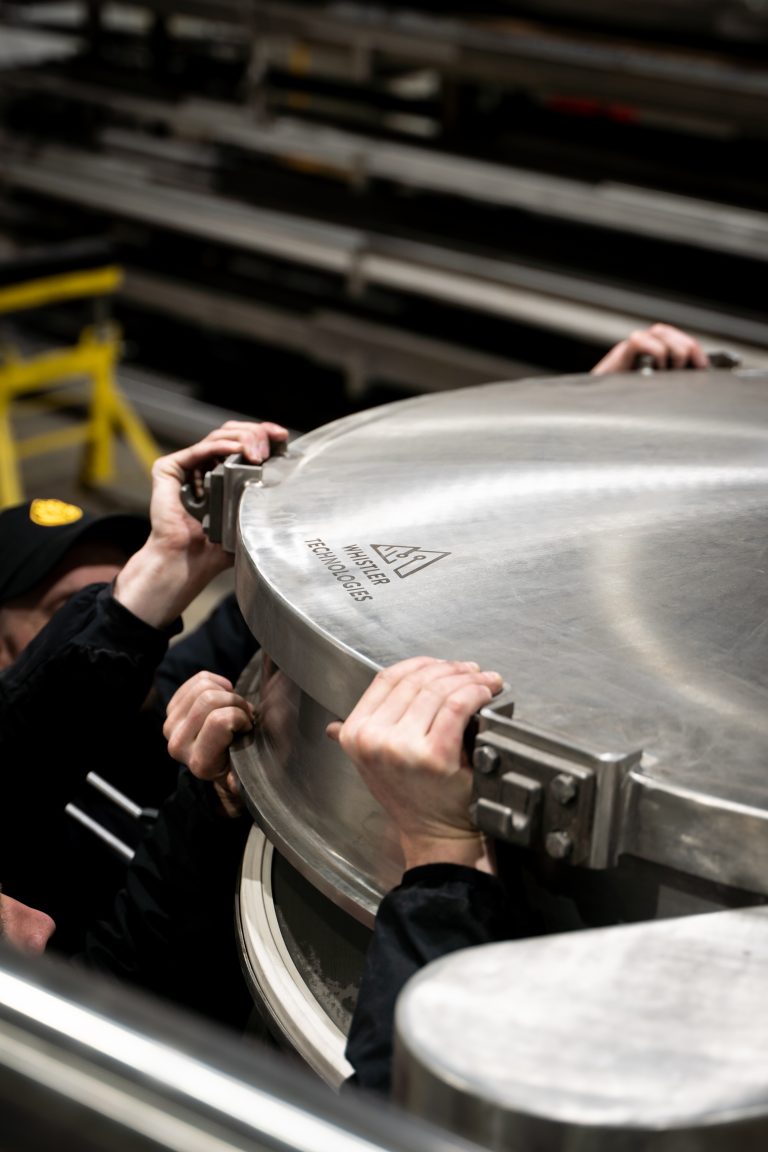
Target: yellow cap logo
53,513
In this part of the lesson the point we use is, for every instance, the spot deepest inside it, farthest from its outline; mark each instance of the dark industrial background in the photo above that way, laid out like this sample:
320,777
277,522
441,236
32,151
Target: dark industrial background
323,206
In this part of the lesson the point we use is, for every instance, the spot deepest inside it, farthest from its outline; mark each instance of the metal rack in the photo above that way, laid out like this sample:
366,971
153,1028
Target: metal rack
421,199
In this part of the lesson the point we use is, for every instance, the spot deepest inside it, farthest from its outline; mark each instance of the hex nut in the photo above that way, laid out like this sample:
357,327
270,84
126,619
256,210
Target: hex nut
486,760
564,788
559,845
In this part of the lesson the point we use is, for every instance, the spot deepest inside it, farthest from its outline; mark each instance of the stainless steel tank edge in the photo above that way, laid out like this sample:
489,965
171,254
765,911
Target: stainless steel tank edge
617,486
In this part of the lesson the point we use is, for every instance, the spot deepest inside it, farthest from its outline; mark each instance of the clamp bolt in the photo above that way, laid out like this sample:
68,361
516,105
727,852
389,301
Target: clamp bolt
564,788
485,759
559,845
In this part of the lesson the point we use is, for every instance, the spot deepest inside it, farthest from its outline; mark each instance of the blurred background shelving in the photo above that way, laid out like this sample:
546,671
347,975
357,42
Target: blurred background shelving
323,206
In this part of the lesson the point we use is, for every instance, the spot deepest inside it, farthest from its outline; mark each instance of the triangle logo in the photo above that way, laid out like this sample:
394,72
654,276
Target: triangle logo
406,559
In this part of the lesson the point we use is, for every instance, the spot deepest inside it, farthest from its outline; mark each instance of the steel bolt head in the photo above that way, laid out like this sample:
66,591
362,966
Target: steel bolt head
564,788
559,845
485,759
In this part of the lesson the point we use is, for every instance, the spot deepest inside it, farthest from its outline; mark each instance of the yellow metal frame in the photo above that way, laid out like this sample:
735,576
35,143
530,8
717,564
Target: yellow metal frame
94,357
63,286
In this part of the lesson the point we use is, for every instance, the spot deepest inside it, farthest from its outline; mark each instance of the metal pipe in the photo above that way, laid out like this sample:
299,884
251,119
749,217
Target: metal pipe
90,1064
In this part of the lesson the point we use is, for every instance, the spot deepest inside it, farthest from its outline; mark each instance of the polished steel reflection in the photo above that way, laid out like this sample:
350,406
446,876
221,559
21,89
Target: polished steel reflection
601,542
308,798
91,1064
652,1036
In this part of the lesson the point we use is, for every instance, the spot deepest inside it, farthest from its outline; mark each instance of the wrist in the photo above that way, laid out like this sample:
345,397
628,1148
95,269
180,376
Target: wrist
156,586
472,850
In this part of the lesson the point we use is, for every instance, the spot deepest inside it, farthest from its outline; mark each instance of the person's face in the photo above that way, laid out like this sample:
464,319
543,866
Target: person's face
88,562
24,928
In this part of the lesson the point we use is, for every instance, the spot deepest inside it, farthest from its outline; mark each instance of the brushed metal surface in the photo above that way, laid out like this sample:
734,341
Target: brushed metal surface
601,542
309,799
643,1037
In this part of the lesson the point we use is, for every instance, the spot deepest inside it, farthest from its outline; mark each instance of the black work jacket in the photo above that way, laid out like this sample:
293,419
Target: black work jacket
171,930
436,909
74,702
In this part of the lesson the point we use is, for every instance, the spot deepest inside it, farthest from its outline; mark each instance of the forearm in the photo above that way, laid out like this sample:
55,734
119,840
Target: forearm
159,583
437,909
92,653
223,644
94,660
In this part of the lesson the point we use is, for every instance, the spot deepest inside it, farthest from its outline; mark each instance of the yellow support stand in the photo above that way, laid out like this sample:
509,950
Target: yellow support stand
94,357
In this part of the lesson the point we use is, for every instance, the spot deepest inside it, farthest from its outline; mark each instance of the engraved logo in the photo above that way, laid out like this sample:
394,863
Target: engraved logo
406,559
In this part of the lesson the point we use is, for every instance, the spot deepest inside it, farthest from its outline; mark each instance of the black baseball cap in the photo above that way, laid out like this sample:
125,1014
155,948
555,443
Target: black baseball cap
36,535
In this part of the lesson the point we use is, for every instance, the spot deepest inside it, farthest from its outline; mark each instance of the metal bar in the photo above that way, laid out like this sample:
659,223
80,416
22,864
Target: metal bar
120,1071
711,838
606,204
115,795
546,299
114,842
38,292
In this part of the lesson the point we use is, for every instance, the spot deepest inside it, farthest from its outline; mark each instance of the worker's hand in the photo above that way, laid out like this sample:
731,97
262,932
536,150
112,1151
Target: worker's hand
406,737
202,719
668,347
178,560
172,525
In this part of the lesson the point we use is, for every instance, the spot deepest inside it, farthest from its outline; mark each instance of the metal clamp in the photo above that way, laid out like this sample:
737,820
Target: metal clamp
536,790
216,507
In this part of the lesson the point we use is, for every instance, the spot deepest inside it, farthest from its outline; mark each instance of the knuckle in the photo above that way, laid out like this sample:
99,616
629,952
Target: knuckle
368,742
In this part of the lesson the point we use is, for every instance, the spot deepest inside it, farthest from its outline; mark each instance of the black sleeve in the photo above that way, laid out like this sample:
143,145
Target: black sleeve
83,677
71,697
222,643
437,909
172,928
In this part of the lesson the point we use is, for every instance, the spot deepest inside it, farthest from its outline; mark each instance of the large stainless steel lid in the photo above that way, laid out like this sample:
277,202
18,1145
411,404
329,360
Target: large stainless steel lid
649,1037
600,541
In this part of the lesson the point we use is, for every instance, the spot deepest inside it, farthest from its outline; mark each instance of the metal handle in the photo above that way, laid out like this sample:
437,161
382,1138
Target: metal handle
197,506
217,508
223,486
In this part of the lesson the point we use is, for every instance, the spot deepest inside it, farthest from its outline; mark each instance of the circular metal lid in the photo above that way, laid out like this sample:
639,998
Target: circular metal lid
610,1038
599,541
